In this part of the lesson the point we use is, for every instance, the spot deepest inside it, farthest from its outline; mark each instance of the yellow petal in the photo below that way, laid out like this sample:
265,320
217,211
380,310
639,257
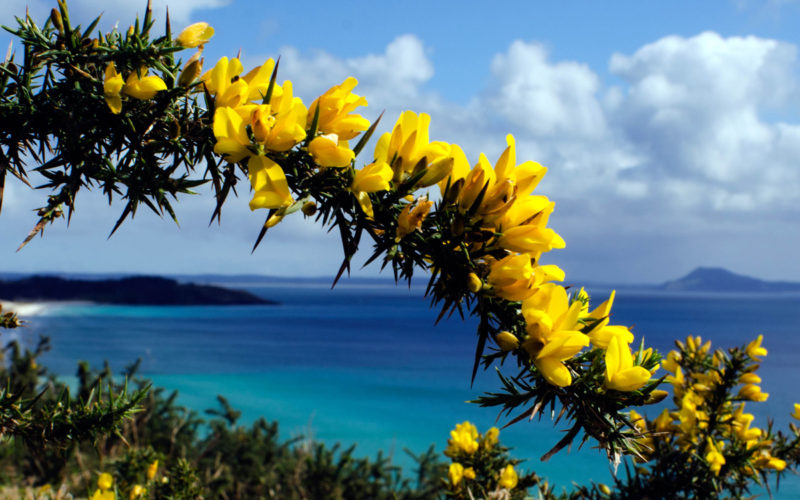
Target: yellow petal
373,177
114,103
629,379
564,345
554,371
269,183
365,203
328,153
601,337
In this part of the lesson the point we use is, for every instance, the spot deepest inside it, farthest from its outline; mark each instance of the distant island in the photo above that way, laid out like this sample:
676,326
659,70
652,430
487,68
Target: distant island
136,290
717,279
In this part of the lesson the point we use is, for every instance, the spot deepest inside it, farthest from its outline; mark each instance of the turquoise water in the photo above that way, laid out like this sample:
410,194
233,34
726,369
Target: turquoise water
364,363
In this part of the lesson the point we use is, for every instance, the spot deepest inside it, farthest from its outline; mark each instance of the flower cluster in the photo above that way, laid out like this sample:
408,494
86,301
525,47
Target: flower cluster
488,231
257,122
709,434
481,466
138,85
106,490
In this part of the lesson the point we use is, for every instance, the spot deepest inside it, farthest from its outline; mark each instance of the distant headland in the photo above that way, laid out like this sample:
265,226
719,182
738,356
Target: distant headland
135,290
717,279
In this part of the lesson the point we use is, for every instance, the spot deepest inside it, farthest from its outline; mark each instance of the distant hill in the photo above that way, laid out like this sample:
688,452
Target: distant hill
716,279
137,290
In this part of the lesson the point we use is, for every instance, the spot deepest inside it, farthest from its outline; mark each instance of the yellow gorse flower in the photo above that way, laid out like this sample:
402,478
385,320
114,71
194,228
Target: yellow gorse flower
504,185
407,150
230,129
370,179
103,495
195,35
112,86
143,87
151,470
463,440
137,491
491,438
764,460
553,332
410,219
753,393
508,478
269,183
515,278
336,108
277,126
455,473
621,374
714,457
223,82
474,283
138,85
754,349
601,337
105,481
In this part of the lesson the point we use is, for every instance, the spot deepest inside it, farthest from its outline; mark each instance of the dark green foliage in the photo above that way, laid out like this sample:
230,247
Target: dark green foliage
53,437
53,110
45,422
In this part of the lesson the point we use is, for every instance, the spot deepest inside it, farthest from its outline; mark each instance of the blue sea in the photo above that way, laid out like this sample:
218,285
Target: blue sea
363,363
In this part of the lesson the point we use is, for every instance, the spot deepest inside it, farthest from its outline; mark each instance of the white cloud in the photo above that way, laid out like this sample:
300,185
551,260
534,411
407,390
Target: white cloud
544,98
696,106
390,79
556,112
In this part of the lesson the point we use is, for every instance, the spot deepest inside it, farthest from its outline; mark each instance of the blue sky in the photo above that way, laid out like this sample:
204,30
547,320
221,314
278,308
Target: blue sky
671,130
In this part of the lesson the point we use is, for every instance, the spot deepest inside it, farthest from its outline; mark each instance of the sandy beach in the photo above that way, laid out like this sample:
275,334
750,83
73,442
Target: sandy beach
26,309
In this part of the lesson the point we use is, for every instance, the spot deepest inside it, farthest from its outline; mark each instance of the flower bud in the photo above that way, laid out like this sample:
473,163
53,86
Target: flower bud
274,220
469,473
190,73
474,283
750,378
55,17
174,129
451,196
195,35
656,397
506,341
309,208
752,392
151,470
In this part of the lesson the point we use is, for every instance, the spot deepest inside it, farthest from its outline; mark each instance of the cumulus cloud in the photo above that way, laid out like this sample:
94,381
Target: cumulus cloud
391,79
697,108
557,113
545,98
